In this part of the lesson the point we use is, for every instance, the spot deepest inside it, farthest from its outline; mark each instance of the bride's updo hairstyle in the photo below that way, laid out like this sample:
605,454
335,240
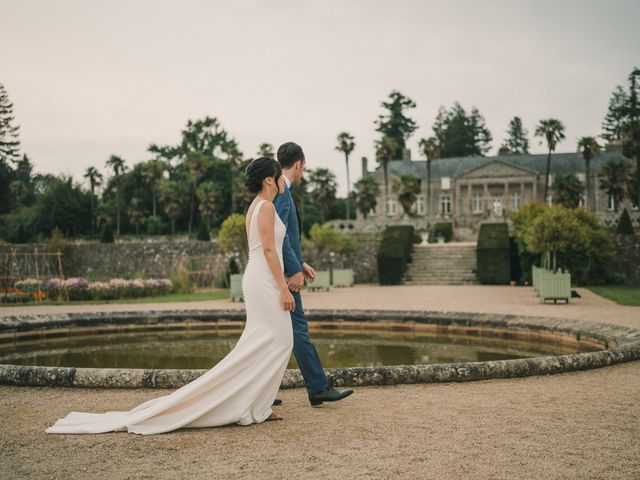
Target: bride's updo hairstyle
258,170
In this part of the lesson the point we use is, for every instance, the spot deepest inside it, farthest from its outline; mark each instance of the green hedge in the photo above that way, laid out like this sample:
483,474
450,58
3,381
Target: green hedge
394,254
493,254
442,229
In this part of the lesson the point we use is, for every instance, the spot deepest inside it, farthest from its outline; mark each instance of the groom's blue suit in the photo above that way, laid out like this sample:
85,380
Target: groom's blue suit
303,349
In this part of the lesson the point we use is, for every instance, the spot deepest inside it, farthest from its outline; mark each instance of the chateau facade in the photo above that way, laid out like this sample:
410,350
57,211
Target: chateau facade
471,190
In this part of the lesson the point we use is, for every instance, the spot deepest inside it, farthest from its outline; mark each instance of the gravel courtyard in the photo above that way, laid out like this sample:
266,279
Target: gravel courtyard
577,425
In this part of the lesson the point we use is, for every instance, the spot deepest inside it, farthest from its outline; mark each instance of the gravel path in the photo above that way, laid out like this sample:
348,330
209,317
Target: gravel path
577,425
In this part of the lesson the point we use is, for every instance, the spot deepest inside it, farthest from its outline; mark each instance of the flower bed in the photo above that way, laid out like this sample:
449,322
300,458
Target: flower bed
79,288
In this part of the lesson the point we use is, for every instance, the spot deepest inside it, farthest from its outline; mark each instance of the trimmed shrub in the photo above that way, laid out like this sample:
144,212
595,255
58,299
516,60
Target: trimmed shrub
441,229
624,224
203,233
493,254
394,254
107,234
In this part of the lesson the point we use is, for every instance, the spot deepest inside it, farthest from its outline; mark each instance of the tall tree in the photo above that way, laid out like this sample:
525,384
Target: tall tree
197,165
517,141
117,164
136,213
172,195
588,147
460,134
385,148
567,190
614,178
9,136
346,146
322,184
266,150
395,124
95,180
366,194
407,189
209,202
153,171
614,119
552,130
430,149
631,126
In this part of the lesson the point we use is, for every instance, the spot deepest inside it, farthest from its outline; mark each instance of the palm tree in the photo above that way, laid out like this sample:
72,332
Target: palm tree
589,148
136,213
323,190
614,178
153,172
172,195
567,190
95,180
385,151
346,146
366,193
407,189
197,165
552,130
118,166
430,149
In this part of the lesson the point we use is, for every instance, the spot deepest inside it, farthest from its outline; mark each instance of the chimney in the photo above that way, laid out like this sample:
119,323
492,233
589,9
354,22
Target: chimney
365,169
406,155
613,146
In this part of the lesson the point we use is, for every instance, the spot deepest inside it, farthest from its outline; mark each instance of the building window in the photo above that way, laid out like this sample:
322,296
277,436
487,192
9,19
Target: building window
581,176
551,179
445,183
391,206
445,204
420,205
374,211
611,203
549,199
581,201
515,201
496,204
476,203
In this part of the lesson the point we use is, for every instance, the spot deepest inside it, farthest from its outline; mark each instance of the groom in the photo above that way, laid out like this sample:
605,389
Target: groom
291,158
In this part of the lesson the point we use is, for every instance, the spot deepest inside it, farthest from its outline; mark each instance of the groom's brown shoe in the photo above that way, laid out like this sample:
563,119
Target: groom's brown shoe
277,401
329,394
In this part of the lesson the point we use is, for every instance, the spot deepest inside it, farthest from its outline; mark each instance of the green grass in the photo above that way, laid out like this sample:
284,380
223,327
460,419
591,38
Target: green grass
175,297
622,294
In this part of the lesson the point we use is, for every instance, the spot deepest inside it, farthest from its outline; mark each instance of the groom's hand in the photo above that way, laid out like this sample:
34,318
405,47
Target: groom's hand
309,272
295,282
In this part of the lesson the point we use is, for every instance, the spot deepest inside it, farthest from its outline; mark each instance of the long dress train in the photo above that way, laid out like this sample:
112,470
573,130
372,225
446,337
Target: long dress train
240,388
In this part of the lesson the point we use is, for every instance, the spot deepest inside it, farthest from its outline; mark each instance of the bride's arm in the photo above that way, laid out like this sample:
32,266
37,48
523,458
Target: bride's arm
266,222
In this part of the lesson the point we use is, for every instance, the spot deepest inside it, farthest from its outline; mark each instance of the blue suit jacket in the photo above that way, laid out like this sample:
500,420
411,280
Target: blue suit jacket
291,250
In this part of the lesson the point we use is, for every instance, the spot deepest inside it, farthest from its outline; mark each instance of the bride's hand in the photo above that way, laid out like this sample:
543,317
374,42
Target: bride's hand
288,302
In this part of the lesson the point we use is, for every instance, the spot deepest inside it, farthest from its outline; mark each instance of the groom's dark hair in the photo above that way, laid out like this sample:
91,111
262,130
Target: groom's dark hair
289,153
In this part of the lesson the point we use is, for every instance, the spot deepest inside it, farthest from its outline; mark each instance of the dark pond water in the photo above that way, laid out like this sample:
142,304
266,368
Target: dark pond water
202,350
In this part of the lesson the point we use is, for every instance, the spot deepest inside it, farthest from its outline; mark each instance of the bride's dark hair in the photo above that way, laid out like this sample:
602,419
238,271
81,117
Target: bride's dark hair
258,170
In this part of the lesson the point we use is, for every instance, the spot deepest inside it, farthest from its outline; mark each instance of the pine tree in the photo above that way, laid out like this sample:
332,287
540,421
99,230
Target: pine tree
517,141
395,124
614,119
9,142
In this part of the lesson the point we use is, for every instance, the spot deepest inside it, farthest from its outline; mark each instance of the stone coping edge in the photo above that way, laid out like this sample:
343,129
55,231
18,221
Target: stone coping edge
624,343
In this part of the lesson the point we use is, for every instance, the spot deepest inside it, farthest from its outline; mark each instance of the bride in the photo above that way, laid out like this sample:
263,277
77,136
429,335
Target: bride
242,387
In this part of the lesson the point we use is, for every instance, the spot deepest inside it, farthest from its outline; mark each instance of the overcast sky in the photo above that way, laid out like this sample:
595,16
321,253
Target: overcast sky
89,79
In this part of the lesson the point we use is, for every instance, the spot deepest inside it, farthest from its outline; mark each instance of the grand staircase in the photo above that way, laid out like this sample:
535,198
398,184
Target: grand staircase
442,264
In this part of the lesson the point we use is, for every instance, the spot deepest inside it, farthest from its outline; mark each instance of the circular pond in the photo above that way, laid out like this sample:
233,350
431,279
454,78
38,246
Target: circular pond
170,348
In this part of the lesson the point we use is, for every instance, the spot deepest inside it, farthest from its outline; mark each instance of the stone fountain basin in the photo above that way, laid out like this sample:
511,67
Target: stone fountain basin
615,343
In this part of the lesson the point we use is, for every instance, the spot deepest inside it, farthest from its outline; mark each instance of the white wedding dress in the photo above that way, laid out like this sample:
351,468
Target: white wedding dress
240,388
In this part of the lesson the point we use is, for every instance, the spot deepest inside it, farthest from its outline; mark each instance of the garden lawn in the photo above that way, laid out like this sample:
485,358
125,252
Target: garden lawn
622,294
176,297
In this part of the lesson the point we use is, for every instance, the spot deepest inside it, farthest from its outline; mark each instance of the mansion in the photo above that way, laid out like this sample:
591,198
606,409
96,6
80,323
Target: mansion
471,190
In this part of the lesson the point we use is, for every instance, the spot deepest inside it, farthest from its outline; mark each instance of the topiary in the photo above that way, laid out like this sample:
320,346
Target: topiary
107,234
493,254
624,226
203,233
394,254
